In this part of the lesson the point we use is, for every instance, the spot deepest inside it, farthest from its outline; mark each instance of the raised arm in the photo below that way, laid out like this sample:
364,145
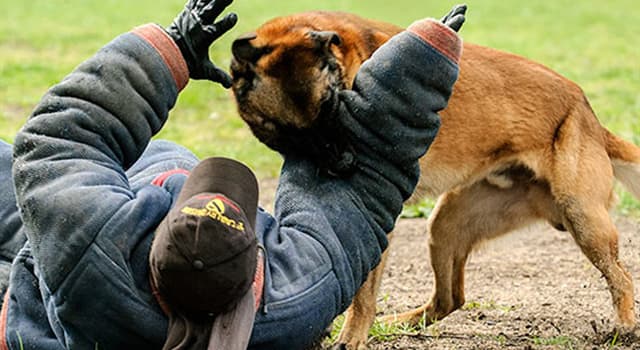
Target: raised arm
391,113
71,155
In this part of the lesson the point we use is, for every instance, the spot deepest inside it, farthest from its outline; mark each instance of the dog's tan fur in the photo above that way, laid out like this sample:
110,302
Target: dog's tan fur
518,144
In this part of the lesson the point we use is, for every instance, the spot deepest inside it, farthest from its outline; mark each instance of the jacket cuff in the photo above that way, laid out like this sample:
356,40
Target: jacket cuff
168,50
439,36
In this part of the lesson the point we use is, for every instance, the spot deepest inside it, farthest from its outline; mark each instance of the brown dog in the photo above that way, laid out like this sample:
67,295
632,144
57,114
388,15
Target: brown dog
518,144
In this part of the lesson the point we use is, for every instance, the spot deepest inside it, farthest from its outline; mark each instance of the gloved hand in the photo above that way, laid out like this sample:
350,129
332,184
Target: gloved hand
194,30
455,17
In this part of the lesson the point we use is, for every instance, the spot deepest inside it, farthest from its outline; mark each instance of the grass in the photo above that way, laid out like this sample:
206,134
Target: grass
21,345
486,305
559,342
383,332
422,209
591,42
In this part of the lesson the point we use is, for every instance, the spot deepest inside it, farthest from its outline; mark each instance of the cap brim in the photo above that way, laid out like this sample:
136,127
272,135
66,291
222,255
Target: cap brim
232,330
228,177
228,331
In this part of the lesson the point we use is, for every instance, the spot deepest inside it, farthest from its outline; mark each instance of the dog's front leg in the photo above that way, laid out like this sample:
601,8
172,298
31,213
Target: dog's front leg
362,312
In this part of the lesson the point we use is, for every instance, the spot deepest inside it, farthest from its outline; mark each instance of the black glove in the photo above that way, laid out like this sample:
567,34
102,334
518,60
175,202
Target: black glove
455,17
194,31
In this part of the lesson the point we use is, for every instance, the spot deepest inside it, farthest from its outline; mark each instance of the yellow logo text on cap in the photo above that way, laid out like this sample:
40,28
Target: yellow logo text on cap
215,209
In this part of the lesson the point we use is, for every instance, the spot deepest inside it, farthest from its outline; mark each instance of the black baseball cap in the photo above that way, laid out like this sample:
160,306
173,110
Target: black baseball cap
204,258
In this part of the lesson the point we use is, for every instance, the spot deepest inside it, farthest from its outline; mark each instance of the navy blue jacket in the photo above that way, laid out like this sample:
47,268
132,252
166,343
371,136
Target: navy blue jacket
83,171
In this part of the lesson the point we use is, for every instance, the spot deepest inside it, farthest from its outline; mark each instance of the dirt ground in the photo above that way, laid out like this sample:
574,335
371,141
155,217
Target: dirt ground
532,289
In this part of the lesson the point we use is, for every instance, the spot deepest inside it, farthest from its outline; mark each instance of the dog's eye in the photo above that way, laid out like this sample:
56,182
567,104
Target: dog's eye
269,125
249,75
329,63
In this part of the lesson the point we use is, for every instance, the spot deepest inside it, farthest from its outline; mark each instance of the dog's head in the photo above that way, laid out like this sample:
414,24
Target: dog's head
287,74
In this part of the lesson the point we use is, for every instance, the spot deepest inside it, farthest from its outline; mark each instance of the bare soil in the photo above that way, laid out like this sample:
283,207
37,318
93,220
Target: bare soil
532,289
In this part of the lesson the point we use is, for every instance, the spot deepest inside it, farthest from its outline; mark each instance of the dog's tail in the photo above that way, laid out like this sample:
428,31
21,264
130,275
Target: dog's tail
625,158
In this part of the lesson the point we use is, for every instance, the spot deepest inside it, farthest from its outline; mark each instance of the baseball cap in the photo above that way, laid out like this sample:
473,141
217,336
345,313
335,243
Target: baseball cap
204,258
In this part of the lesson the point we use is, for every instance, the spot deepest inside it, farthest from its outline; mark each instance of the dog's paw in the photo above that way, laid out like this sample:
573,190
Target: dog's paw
351,341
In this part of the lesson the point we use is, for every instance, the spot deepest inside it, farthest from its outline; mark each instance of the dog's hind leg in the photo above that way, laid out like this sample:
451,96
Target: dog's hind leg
460,220
583,190
362,312
586,216
597,236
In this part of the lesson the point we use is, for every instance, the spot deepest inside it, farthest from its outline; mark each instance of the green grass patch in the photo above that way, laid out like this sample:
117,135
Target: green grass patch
383,332
559,342
422,209
590,42
627,204
486,305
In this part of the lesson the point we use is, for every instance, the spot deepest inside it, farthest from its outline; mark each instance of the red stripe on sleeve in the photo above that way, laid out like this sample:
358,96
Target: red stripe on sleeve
160,179
440,36
3,322
168,50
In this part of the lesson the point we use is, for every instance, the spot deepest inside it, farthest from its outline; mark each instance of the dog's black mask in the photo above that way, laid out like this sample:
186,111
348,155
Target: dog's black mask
325,141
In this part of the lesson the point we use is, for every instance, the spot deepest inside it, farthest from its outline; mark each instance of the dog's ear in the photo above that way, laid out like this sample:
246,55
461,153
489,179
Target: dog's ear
324,39
244,51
